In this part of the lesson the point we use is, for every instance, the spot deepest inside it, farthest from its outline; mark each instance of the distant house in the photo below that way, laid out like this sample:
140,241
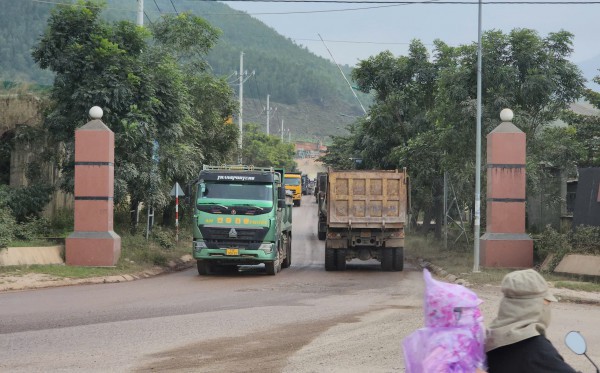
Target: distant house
309,149
556,202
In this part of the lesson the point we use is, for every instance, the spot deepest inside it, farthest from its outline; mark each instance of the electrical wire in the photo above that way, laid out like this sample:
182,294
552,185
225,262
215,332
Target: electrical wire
176,12
410,2
157,7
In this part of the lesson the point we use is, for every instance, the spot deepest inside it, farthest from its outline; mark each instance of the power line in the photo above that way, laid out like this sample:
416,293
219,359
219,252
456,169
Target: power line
431,2
174,7
148,18
354,42
157,7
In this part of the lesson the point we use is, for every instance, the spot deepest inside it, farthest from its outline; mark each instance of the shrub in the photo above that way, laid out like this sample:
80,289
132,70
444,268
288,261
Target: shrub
62,221
586,239
582,240
163,237
32,228
27,201
8,226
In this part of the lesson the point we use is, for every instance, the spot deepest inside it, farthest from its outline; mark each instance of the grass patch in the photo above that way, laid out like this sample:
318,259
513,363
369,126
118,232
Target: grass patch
32,243
579,286
458,260
137,255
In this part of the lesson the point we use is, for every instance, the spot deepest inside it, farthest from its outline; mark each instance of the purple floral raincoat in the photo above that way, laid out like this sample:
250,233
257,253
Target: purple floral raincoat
453,337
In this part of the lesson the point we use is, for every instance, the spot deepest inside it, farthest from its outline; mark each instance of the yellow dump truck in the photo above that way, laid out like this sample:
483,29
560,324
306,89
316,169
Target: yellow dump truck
366,212
293,182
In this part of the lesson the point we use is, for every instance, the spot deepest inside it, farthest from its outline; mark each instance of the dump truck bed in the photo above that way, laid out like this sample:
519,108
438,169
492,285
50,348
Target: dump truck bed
367,199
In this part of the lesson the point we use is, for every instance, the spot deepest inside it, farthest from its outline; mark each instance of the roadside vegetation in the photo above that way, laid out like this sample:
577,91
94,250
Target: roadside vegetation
457,258
169,114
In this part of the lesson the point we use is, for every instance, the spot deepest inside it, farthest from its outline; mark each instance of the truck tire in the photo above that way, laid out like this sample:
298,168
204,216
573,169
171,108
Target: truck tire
275,266
300,201
288,252
387,259
330,260
340,259
320,234
399,259
204,268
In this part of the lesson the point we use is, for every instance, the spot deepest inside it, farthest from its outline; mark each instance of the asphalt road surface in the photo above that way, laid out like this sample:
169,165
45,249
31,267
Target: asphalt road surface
304,319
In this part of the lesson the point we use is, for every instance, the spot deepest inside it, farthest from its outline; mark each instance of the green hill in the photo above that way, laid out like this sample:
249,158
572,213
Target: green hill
308,91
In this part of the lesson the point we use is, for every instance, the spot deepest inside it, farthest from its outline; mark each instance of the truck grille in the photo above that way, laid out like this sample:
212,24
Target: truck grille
247,238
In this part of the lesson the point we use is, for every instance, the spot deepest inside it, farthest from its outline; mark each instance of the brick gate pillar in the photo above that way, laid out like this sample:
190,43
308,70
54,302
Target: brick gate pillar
94,243
505,243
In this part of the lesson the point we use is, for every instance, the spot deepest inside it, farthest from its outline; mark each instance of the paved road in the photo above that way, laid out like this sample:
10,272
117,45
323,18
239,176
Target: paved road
302,320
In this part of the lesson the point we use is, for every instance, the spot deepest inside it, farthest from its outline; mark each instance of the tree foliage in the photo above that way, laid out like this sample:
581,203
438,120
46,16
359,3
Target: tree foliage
424,114
167,113
262,150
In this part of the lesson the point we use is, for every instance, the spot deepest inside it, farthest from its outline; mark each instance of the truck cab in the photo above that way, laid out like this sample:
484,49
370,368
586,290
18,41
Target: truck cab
241,217
293,183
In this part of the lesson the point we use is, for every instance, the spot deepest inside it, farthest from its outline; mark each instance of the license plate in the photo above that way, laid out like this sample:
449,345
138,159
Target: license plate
365,233
231,252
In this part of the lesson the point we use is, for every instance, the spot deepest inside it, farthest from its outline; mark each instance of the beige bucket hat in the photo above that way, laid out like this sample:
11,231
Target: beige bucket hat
526,284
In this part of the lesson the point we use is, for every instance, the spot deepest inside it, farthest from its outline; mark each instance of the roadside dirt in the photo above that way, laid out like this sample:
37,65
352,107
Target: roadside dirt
310,166
25,281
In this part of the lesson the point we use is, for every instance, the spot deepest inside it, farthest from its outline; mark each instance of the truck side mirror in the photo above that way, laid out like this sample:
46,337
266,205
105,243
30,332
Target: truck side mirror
281,203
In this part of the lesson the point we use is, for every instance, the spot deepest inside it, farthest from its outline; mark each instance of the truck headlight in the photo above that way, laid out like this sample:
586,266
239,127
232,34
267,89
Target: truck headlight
266,247
199,245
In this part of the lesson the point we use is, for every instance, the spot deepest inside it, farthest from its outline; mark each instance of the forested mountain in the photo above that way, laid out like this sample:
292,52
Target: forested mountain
308,90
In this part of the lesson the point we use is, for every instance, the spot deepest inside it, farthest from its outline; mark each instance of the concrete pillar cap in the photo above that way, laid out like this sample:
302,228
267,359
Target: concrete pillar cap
96,112
506,115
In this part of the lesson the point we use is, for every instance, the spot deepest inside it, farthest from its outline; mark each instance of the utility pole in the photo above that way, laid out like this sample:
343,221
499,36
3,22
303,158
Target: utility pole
477,221
281,129
140,12
269,113
240,119
242,80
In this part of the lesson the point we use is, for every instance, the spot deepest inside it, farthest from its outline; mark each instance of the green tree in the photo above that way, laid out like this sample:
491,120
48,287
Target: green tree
585,131
164,109
425,109
262,150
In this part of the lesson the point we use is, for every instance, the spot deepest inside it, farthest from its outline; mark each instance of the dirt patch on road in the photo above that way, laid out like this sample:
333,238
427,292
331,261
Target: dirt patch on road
267,351
310,166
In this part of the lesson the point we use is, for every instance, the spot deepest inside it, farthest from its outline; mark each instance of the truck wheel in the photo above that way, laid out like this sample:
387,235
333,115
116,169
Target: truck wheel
275,266
340,259
300,201
296,203
288,252
320,234
330,260
204,268
387,259
270,268
399,259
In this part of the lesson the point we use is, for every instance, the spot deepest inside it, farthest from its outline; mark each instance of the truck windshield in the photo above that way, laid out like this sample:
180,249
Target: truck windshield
292,181
263,192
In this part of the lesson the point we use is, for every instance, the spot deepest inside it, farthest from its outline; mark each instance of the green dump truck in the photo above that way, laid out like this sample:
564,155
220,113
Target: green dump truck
242,216
362,216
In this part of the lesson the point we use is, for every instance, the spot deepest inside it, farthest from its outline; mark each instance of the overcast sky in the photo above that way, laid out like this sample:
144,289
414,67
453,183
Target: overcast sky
355,35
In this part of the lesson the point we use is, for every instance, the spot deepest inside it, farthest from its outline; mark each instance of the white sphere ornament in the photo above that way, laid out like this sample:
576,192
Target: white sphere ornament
96,112
506,115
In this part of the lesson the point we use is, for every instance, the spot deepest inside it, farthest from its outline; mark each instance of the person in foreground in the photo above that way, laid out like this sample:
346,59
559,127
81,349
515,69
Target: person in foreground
516,340
453,337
